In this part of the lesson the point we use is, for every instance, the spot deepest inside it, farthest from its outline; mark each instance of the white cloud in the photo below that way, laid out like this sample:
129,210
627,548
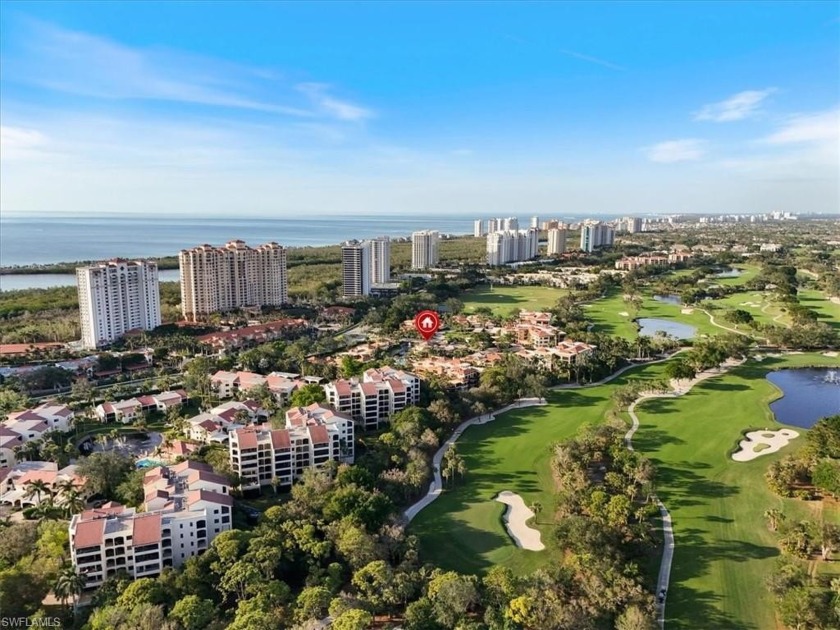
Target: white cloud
685,150
80,63
737,107
343,110
800,128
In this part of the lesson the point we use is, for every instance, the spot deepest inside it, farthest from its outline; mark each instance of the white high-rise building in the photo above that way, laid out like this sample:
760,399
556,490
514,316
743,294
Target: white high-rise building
508,224
380,260
594,234
512,246
478,228
535,222
356,268
115,297
556,241
219,279
631,224
424,249
493,225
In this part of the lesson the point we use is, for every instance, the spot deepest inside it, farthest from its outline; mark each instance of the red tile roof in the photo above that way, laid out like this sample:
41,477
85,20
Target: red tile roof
280,439
247,438
319,435
208,495
89,533
147,529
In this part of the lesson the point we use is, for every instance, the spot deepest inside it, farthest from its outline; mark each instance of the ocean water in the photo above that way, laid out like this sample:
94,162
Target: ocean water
38,240
29,240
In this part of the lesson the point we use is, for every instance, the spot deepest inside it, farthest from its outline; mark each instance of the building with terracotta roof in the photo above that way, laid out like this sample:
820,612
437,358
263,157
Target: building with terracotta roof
16,491
374,398
185,507
313,436
457,372
128,410
252,335
228,384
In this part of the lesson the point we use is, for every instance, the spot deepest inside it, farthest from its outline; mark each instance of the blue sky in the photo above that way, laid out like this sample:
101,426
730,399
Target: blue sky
282,109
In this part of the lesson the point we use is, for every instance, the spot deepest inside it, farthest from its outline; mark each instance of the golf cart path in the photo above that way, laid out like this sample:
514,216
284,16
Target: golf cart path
667,528
436,487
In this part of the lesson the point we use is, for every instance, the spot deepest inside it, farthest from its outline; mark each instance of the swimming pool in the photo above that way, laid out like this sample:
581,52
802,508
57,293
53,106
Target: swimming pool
147,463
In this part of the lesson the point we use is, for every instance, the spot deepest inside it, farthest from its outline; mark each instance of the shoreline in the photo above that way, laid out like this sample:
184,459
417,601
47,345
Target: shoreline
170,261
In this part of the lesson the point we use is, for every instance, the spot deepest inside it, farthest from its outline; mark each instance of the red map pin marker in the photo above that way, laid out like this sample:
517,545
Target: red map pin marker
427,323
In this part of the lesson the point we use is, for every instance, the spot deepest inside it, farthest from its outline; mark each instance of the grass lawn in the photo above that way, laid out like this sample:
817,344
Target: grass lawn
606,314
760,305
463,530
827,311
504,299
748,273
723,548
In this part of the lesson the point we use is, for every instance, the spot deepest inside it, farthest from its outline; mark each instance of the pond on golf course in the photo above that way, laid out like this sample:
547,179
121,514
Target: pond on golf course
729,273
808,395
651,325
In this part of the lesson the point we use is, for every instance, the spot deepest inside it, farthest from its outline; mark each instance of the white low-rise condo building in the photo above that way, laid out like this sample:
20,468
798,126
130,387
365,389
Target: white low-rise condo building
313,436
115,297
20,427
374,398
186,506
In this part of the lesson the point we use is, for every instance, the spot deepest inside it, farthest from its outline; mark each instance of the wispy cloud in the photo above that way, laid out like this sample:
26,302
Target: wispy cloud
18,142
684,150
737,107
591,59
80,63
343,110
815,127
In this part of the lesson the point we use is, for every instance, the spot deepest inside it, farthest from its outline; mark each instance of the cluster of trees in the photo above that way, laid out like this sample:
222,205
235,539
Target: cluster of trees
816,468
32,562
804,601
603,512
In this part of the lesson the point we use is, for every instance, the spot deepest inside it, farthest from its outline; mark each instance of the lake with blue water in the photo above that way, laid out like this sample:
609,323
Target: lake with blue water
651,325
808,395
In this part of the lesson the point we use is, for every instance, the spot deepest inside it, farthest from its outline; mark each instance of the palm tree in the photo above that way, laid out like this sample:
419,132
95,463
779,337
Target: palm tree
774,518
48,510
36,487
69,584
536,508
72,501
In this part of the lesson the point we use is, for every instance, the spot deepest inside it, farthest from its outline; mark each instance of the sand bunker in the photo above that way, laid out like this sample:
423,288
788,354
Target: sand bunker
516,517
758,443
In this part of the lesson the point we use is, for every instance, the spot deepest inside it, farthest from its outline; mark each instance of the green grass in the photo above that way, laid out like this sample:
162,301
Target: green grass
463,530
827,311
723,548
606,315
760,305
749,272
502,300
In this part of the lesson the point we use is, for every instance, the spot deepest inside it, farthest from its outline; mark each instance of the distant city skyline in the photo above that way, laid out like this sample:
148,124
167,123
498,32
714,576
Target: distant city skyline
497,109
